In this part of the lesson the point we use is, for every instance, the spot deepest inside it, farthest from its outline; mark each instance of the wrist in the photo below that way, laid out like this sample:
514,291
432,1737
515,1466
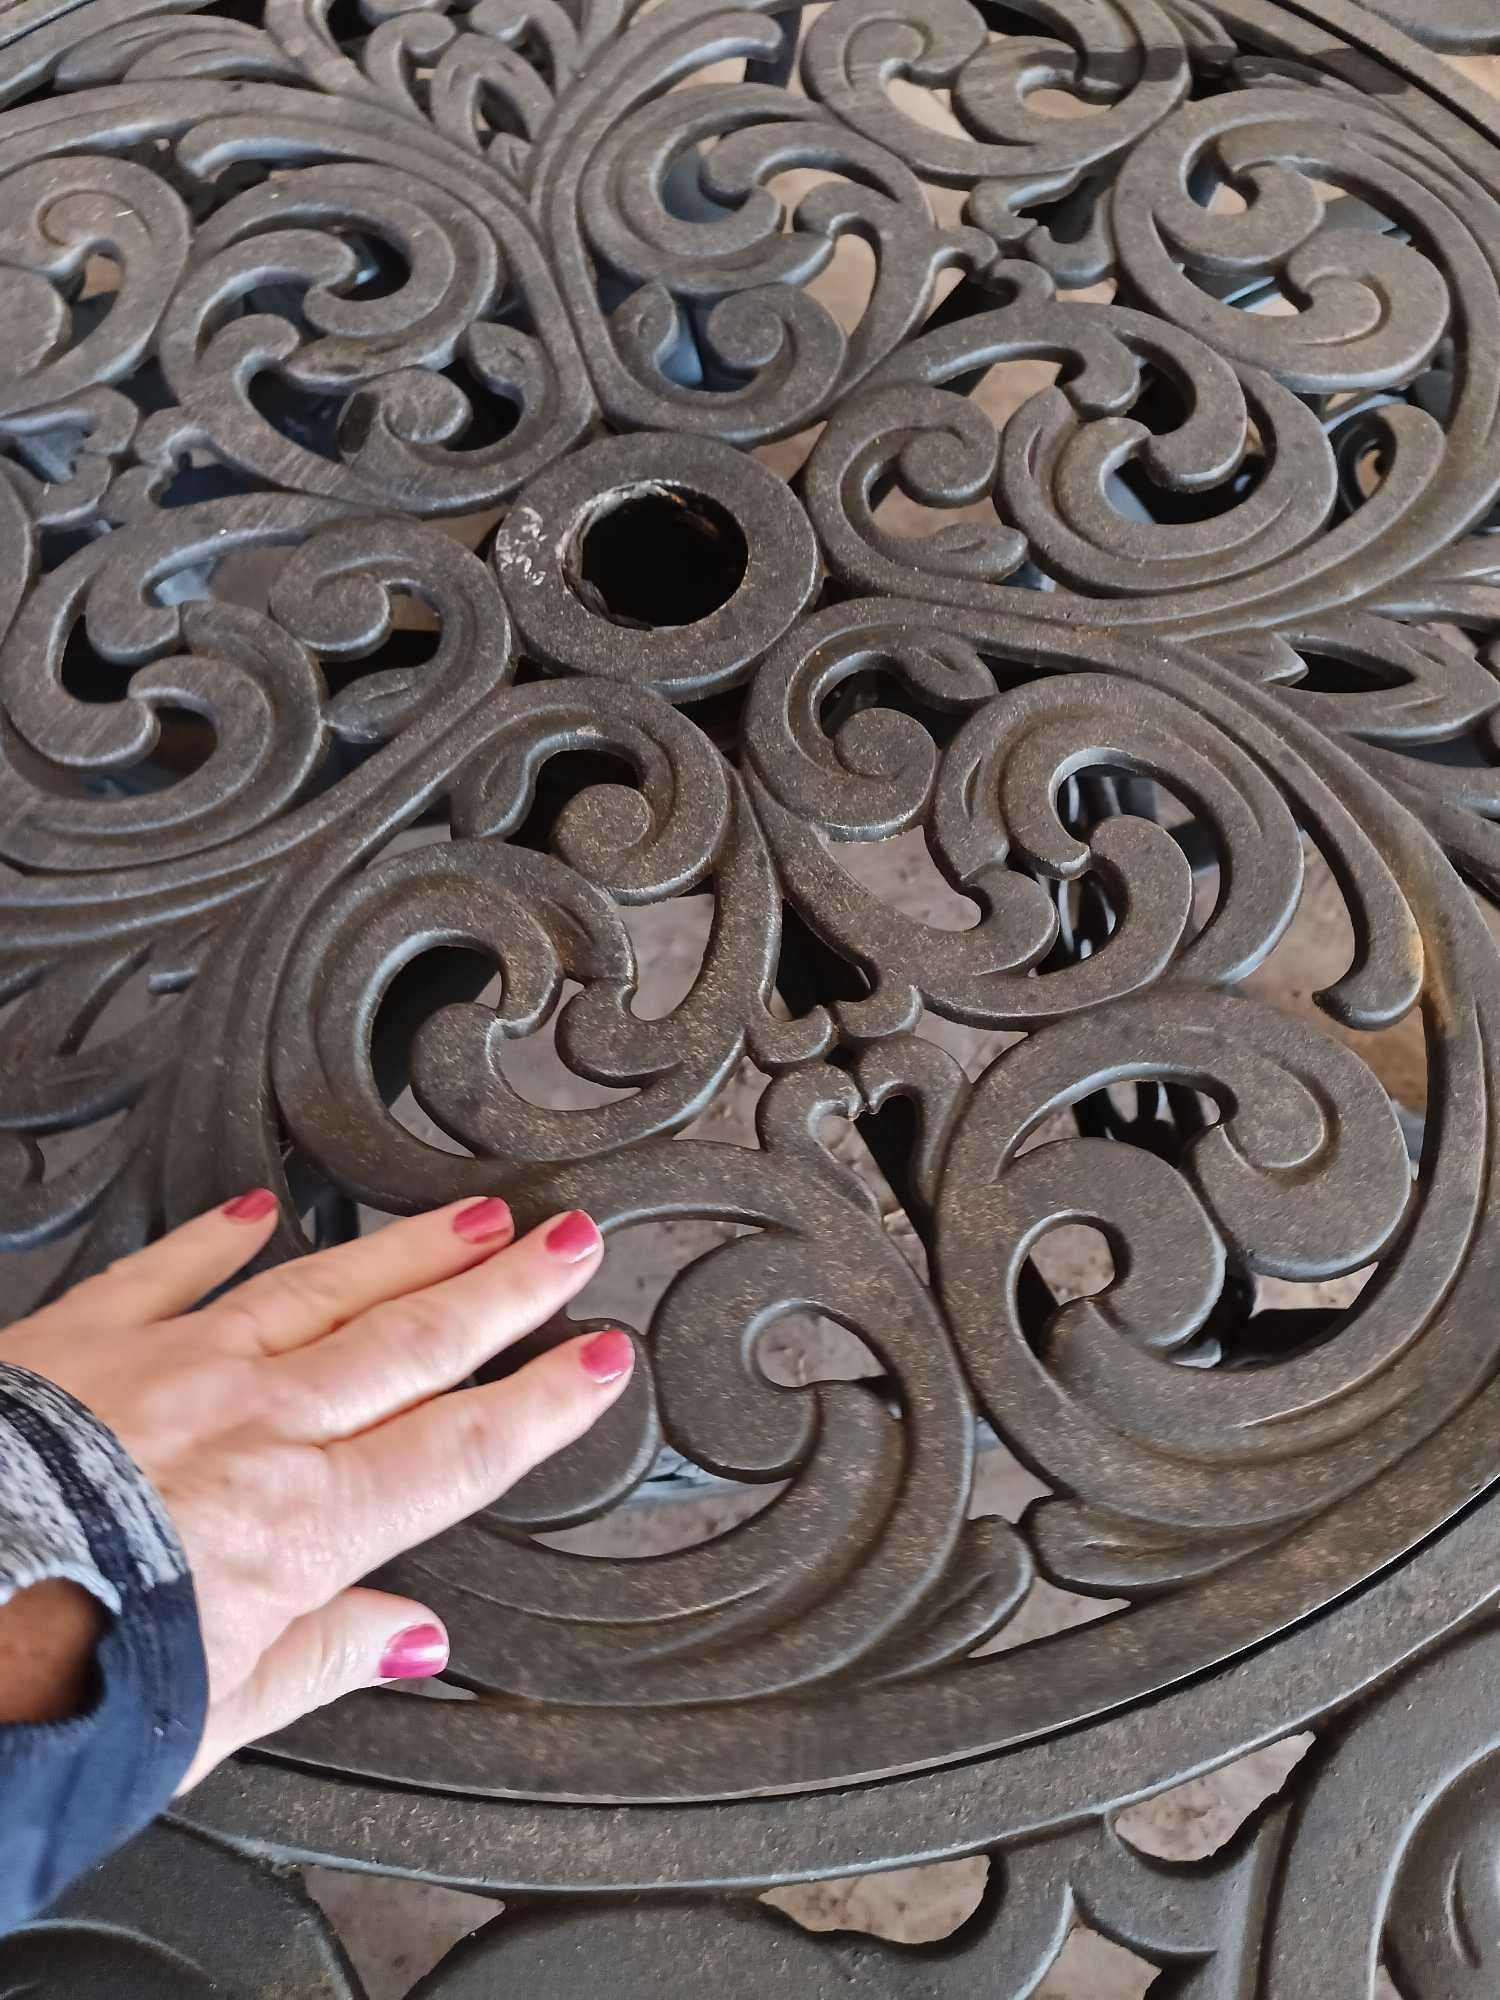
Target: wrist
48,1635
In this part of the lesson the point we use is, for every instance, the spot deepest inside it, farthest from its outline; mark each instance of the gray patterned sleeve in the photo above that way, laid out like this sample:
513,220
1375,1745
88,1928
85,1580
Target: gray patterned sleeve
75,1506
51,1483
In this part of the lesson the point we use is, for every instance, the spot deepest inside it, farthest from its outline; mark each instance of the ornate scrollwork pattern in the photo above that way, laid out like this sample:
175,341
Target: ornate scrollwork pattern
478,480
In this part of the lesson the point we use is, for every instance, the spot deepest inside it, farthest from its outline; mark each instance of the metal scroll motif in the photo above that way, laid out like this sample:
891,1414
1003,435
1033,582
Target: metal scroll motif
176,1917
1289,1905
402,599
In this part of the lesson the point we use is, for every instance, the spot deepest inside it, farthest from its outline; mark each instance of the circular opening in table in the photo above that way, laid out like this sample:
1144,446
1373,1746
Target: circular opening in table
656,555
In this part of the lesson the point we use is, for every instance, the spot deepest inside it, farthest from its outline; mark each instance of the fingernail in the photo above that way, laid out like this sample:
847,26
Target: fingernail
253,1206
415,1653
482,1220
572,1236
608,1355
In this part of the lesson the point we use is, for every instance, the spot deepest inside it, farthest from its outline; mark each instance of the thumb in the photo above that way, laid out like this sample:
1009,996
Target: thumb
356,1640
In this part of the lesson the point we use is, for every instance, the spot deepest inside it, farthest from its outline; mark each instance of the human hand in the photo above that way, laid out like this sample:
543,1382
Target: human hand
296,1432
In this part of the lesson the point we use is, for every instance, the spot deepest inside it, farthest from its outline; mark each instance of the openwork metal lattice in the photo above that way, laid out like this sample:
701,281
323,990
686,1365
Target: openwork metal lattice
402,589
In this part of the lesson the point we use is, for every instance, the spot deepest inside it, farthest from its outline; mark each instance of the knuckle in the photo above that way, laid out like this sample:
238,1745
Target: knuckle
246,1317
281,1299
177,1404
285,1400
335,1663
310,1288
486,1449
421,1325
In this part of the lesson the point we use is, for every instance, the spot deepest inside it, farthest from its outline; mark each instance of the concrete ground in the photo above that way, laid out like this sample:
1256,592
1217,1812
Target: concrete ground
395,1931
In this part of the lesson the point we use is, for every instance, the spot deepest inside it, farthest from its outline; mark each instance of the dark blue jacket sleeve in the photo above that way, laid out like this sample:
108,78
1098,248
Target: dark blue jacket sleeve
74,1505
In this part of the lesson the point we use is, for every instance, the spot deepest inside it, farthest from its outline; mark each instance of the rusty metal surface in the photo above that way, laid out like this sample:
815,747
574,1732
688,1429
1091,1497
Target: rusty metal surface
400,592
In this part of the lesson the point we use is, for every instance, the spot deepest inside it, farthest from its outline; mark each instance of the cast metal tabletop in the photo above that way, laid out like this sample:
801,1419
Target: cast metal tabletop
472,476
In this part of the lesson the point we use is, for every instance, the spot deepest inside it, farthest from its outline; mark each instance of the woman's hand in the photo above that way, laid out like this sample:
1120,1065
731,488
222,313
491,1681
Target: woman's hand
296,1432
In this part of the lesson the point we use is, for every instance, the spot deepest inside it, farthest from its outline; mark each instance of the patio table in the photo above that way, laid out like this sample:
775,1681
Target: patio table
474,476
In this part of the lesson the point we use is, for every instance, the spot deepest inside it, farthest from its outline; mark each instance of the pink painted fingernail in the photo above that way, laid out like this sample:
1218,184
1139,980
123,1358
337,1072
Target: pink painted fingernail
414,1654
572,1236
608,1356
482,1220
252,1206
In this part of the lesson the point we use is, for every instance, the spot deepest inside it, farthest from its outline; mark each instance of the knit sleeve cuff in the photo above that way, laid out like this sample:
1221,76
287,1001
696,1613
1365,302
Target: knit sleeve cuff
74,1505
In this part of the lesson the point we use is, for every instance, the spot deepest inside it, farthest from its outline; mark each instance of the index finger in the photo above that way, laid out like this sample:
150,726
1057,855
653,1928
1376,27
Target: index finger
300,1301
